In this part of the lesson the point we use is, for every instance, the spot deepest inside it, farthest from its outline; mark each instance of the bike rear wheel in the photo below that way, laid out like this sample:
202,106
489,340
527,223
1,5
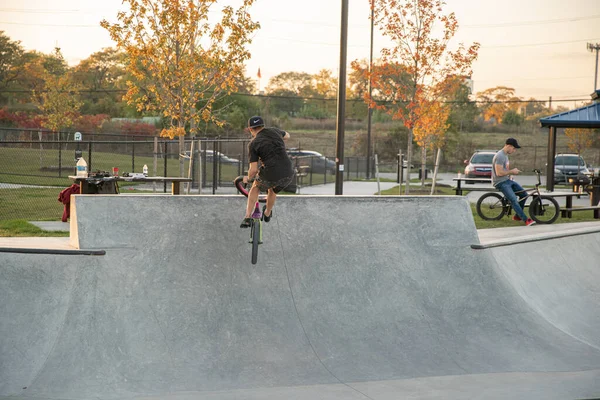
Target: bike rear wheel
544,209
491,206
255,232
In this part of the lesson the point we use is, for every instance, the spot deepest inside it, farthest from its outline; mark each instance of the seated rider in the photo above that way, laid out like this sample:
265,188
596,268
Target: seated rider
502,180
276,172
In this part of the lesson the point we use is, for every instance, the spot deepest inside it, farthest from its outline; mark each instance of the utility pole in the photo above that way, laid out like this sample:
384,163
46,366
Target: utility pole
370,110
341,109
595,47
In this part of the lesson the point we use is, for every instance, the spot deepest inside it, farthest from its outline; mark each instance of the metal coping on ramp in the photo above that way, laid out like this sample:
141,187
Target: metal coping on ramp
535,238
77,252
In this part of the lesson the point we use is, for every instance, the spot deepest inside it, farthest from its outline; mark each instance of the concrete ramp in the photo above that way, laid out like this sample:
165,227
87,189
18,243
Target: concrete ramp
352,298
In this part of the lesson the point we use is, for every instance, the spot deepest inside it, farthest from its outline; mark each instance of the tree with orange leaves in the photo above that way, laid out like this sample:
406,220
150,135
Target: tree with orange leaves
578,139
425,58
430,129
182,63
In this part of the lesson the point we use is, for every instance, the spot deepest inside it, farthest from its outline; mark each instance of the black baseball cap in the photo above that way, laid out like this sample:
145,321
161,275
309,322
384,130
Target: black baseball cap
255,121
513,142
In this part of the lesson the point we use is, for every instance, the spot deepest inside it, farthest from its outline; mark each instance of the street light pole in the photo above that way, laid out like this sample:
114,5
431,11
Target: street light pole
341,98
595,47
370,110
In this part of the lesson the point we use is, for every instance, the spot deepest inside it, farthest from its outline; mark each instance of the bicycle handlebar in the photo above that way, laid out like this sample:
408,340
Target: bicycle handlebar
241,187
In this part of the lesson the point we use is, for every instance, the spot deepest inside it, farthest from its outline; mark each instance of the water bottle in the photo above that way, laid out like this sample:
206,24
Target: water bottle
82,171
145,170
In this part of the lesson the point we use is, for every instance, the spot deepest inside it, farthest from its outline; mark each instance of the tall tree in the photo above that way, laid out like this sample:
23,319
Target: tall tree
184,61
11,59
102,78
496,101
579,139
420,34
429,130
59,104
297,83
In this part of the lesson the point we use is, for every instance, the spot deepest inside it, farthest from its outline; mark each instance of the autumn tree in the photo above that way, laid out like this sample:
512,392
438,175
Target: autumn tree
579,139
496,101
11,58
102,79
429,130
52,90
420,34
182,61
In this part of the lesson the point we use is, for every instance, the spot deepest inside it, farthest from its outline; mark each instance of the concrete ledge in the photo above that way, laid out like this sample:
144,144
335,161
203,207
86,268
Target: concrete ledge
490,238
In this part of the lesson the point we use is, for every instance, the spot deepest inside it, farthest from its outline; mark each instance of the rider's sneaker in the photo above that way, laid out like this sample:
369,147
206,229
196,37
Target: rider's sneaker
246,223
265,218
517,218
529,222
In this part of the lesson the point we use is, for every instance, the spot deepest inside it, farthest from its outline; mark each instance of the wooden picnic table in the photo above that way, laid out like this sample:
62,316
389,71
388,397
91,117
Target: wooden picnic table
91,183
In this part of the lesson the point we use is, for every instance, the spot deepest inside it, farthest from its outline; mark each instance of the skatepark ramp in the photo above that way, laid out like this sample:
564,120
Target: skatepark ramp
351,298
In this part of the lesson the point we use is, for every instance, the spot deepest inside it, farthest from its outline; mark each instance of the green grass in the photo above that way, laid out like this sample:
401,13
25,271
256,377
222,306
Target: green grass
30,203
29,166
20,227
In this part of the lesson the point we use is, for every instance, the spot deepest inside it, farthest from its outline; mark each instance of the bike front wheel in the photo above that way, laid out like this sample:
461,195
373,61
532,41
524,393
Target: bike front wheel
255,240
544,209
491,206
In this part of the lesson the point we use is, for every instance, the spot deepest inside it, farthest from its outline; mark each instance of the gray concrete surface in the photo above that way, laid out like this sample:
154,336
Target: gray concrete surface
52,225
352,298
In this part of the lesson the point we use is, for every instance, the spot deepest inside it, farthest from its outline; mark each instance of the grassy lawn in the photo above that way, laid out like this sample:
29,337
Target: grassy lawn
29,166
20,227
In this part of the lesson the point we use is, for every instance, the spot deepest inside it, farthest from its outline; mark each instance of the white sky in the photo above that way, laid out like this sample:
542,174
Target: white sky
537,47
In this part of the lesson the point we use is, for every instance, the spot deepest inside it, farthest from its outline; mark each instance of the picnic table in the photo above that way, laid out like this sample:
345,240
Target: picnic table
108,184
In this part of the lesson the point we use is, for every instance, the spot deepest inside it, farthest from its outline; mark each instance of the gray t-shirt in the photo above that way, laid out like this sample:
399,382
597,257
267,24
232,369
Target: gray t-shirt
501,158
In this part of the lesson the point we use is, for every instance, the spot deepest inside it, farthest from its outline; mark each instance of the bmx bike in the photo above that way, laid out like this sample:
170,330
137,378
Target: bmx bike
542,209
256,223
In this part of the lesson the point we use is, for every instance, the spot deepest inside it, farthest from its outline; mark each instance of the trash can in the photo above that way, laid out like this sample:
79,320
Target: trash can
421,173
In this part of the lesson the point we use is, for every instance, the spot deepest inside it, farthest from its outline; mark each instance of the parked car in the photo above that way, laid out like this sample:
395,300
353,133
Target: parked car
209,156
315,162
571,166
480,164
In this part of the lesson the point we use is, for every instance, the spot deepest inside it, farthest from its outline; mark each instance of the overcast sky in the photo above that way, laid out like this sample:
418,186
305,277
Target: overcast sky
537,47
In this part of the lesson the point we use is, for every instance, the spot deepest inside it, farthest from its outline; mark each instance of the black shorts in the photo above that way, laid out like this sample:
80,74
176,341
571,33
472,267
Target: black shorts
277,186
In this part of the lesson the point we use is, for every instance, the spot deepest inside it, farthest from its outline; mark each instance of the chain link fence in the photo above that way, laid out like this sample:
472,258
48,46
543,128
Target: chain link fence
35,166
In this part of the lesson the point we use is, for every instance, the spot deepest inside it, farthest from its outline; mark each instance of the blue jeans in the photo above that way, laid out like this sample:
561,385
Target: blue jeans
508,188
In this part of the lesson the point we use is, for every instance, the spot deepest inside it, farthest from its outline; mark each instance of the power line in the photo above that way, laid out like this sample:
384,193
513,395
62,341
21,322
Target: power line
529,23
107,91
34,11
535,44
53,25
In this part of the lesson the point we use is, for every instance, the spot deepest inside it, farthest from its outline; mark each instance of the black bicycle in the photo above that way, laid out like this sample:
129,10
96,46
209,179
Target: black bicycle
542,209
256,224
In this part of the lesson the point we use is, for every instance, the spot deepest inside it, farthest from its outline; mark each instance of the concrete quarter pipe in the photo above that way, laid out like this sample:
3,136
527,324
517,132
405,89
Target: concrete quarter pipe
352,298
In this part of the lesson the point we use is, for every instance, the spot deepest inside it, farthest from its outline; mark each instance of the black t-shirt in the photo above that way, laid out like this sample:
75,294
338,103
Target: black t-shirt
268,146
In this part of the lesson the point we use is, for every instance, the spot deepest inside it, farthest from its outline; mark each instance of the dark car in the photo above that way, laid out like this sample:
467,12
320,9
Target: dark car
571,167
208,155
312,161
480,164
